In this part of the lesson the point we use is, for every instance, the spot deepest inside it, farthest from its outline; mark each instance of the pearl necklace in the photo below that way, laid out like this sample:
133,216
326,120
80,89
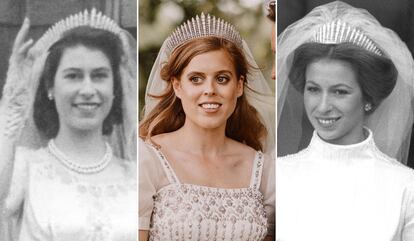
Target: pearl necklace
76,167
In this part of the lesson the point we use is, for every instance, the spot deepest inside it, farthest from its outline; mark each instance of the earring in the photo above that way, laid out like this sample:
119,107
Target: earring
50,96
367,107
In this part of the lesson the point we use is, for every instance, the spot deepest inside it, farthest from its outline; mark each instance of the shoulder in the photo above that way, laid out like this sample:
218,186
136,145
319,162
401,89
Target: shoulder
390,166
33,156
293,158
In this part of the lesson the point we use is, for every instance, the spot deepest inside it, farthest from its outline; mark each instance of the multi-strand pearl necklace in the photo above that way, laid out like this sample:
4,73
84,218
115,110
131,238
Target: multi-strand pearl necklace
77,167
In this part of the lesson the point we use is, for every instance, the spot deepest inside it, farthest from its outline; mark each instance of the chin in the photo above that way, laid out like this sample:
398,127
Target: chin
87,125
329,136
211,124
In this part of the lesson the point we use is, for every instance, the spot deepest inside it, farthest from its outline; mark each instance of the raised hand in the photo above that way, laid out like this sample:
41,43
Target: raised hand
17,90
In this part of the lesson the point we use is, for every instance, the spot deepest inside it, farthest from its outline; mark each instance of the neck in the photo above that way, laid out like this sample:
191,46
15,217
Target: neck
202,141
88,146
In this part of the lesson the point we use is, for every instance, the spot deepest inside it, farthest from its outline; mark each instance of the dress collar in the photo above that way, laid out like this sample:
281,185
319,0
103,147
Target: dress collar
334,151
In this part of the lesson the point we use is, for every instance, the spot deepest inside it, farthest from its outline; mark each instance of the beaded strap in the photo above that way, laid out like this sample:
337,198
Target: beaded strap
257,171
169,172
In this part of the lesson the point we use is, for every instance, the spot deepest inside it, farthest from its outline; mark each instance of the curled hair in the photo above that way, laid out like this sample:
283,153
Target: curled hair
168,115
376,75
45,114
271,10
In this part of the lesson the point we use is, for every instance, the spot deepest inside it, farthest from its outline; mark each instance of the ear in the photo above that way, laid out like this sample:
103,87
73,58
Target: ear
240,86
177,87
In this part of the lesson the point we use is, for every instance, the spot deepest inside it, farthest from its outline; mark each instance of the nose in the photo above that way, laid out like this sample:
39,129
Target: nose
324,103
274,72
87,88
209,88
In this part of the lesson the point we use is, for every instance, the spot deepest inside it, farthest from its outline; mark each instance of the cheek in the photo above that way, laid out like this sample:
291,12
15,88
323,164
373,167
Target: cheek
310,102
355,108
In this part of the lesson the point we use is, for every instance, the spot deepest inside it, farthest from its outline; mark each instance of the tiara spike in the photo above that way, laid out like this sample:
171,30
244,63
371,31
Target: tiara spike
203,25
208,24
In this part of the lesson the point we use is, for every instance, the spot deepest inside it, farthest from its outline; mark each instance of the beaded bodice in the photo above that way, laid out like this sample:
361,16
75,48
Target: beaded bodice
193,212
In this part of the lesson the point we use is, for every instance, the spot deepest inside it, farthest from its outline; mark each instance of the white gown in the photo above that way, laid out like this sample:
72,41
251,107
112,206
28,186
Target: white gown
343,192
49,202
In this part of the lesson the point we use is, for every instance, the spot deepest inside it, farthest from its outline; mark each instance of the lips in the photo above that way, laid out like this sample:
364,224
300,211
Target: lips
210,105
86,106
327,122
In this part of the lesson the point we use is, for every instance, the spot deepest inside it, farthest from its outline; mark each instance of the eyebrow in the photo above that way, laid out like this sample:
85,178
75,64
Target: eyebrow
334,86
218,72
80,69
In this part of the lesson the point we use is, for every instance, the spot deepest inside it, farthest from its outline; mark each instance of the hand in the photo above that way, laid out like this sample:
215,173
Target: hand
20,62
18,89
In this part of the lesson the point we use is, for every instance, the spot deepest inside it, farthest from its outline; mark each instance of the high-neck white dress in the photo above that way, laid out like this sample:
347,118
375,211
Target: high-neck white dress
352,192
49,202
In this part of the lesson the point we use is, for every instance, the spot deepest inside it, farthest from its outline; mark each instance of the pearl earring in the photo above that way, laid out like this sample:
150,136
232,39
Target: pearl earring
367,107
50,96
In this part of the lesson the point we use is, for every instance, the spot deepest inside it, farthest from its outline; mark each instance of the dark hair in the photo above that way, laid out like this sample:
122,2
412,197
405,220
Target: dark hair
45,114
376,75
271,10
168,115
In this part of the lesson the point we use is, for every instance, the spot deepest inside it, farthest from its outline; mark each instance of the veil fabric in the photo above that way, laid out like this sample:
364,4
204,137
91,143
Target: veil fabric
258,93
390,122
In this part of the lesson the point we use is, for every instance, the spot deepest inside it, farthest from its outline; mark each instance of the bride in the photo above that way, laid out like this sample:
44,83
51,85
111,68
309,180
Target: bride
208,119
67,137
355,79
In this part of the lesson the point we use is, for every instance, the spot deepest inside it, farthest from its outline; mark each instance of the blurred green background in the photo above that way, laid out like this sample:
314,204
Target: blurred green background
158,18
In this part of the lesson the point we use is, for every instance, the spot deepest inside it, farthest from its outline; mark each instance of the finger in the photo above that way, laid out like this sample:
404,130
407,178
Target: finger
22,34
24,48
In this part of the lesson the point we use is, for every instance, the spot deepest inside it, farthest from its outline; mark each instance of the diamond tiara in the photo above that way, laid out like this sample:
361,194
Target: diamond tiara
203,26
94,19
340,32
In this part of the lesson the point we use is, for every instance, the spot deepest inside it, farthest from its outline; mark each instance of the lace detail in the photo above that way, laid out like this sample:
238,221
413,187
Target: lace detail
102,210
193,212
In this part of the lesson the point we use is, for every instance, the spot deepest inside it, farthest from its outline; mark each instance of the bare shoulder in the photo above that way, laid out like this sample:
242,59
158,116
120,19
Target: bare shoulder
164,139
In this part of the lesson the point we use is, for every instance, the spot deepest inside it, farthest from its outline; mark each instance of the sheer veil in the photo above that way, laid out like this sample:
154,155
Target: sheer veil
390,122
258,92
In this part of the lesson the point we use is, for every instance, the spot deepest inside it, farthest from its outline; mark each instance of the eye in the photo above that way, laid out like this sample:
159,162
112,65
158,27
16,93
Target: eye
311,89
341,92
100,75
72,76
223,79
196,79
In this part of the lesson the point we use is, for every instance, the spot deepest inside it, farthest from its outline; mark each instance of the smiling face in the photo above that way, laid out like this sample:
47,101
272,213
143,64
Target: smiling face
83,89
208,88
334,101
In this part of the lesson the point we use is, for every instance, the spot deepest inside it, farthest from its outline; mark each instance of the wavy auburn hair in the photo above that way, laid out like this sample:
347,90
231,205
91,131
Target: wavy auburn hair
168,115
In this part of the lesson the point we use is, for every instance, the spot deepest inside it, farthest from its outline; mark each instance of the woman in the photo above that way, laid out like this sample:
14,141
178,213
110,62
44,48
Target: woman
202,173
73,85
346,184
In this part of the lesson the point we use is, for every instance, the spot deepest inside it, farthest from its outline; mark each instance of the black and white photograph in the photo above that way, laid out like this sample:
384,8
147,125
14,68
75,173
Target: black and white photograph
345,86
68,120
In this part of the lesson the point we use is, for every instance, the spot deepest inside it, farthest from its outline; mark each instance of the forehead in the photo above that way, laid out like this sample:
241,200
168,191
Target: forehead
83,58
213,61
329,72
